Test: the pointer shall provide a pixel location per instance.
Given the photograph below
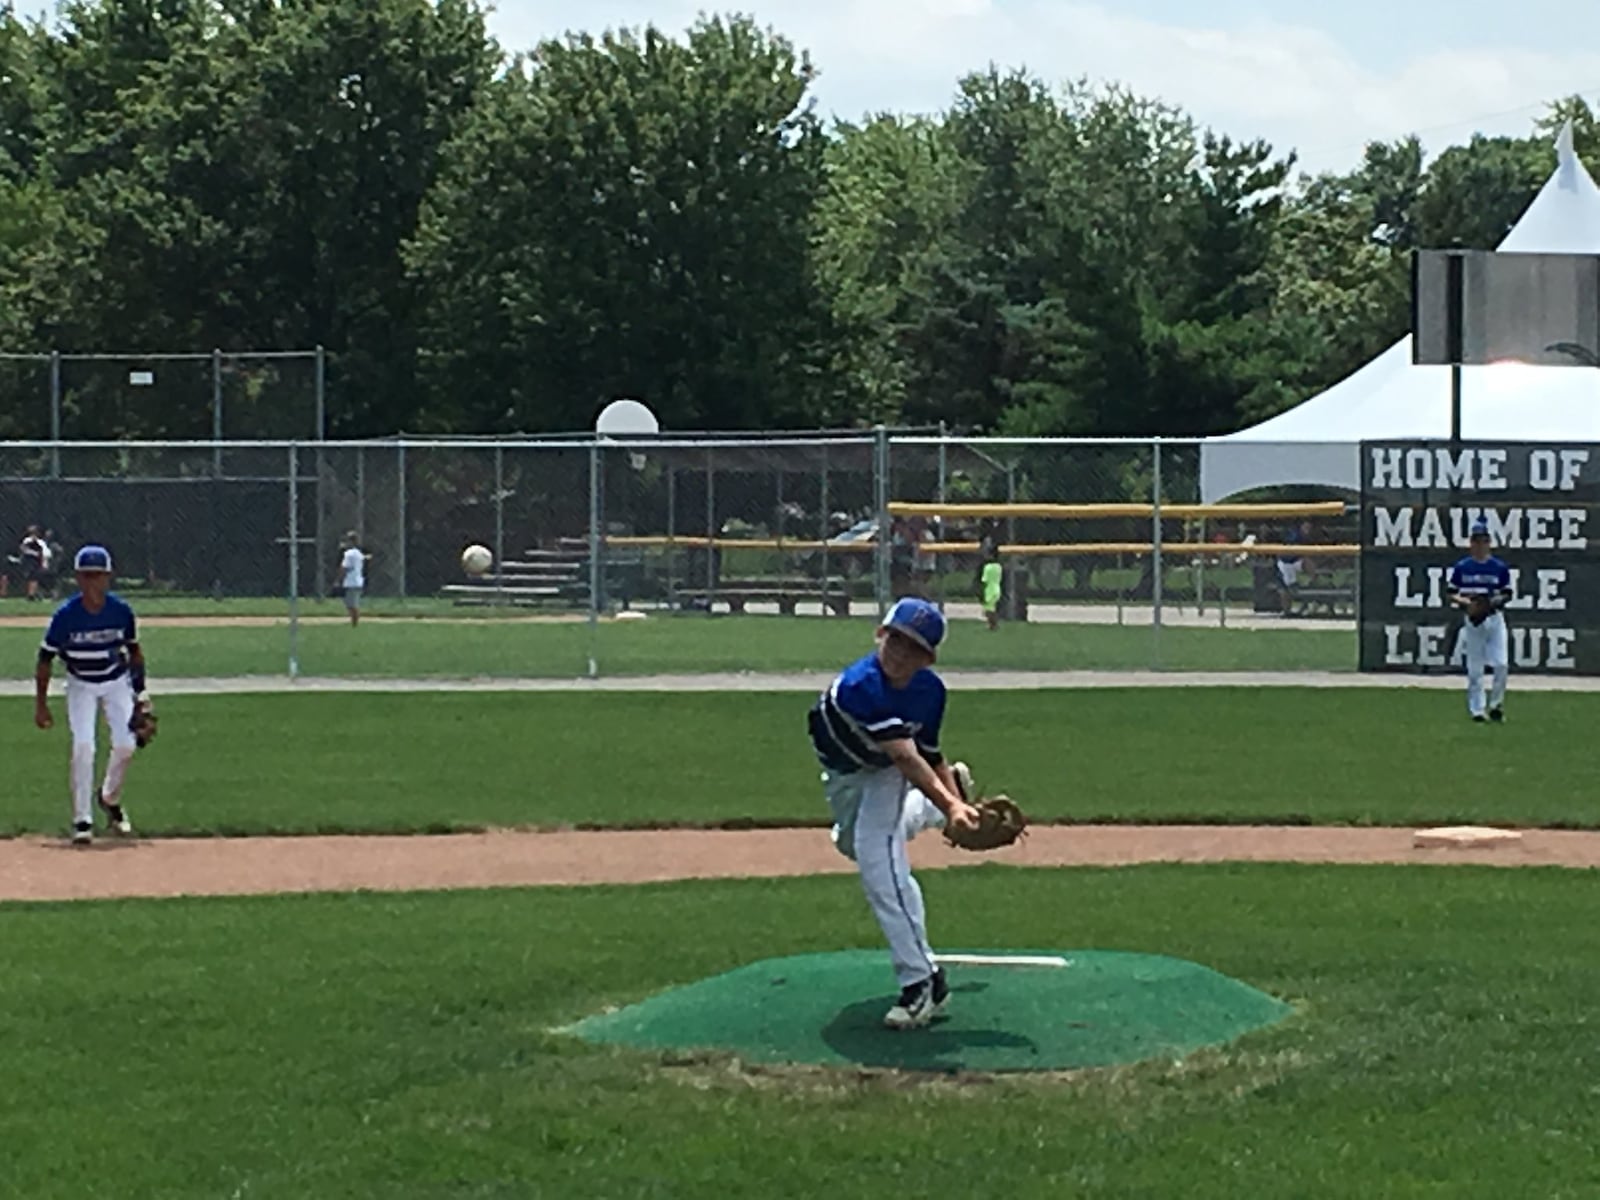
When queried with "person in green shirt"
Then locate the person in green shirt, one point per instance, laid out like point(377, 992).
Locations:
point(990, 578)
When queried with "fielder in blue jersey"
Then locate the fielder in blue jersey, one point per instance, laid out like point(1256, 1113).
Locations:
point(1481, 584)
point(96, 637)
point(876, 732)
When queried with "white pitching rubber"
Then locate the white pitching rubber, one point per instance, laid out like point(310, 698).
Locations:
point(1001, 960)
point(1465, 837)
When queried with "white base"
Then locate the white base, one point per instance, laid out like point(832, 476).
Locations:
point(1001, 960)
point(1465, 837)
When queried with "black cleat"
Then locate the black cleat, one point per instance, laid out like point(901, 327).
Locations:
point(1497, 715)
point(941, 991)
point(1479, 718)
point(82, 833)
point(914, 1009)
point(116, 820)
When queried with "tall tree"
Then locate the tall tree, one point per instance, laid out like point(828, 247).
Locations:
point(893, 187)
point(1473, 194)
point(1585, 121)
point(248, 176)
point(631, 215)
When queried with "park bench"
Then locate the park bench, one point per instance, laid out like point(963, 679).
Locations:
point(786, 591)
point(1328, 601)
point(508, 590)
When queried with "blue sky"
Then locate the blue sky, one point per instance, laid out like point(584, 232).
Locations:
point(1324, 78)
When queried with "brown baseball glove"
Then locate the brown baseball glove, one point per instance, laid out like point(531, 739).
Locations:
point(1478, 609)
point(1000, 823)
point(144, 723)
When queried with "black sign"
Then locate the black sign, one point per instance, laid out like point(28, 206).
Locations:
point(1418, 504)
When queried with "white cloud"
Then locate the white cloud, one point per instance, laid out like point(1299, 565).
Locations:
point(1292, 84)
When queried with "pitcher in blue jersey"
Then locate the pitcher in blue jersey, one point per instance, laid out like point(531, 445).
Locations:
point(97, 639)
point(1481, 584)
point(876, 731)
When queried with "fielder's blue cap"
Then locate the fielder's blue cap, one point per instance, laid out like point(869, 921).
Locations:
point(1480, 528)
point(919, 620)
point(92, 558)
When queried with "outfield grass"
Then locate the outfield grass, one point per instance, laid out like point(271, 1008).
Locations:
point(434, 761)
point(685, 643)
point(274, 606)
point(396, 1045)
point(1111, 586)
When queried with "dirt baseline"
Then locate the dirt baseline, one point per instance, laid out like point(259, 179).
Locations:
point(40, 869)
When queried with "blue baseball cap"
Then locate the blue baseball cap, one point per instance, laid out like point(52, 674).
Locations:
point(92, 558)
point(1480, 528)
point(918, 620)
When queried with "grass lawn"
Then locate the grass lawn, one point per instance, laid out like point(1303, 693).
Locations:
point(274, 606)
point(330, 762)
point(395, 1046)
point(675, 644)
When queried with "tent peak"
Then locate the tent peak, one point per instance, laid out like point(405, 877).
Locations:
point(1566, 155)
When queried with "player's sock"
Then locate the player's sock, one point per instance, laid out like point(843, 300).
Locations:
point(82, 781)
point(116, 772)
point(1497, 691)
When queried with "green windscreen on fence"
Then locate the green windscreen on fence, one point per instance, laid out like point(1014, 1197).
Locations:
point(1102, 1009)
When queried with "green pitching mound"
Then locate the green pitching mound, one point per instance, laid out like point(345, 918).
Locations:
point(1103, 1009)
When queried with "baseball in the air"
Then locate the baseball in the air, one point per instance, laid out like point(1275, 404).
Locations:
point(476, 560)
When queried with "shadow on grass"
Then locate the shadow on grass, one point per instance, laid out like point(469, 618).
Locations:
point(857, 1033)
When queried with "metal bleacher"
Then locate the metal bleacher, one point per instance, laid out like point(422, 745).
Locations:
point(558, 577)
point(537, 577)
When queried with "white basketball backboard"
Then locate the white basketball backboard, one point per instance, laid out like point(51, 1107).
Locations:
point(626, 418)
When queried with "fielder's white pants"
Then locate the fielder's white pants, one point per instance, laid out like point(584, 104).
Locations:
point(85, 702)
point(875, 814)
point(1485, 646)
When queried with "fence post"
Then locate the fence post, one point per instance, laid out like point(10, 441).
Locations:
point(880, 485)
point(594, 556)
point(672, 535)
point(822, 504)
point(1013, 611)
point(321, 376)
point(320, 572)
point(711, 529)
point(294, 561)
point(499, 522)
point(777, 520)
point(1155, 552)
point(361, 494)
point(322, 483)
point(55, 414)
point(216, 412)
point(400, 532)
point(944, 475)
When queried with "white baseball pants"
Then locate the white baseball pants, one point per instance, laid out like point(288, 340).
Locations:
point(85, 702)
point(1485, 646)
point(875, 814)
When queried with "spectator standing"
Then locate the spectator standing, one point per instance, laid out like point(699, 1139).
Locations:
point(33, 553)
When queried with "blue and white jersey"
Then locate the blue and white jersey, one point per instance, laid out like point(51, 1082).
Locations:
point(860, 711)
point(94, 646)
point(1491, 577)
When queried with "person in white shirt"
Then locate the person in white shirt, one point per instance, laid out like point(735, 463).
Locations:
point(353, 572)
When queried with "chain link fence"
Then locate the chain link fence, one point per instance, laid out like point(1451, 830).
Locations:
point(217, 396)
point(675, 554)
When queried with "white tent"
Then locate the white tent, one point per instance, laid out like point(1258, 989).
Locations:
point(1317, 442)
